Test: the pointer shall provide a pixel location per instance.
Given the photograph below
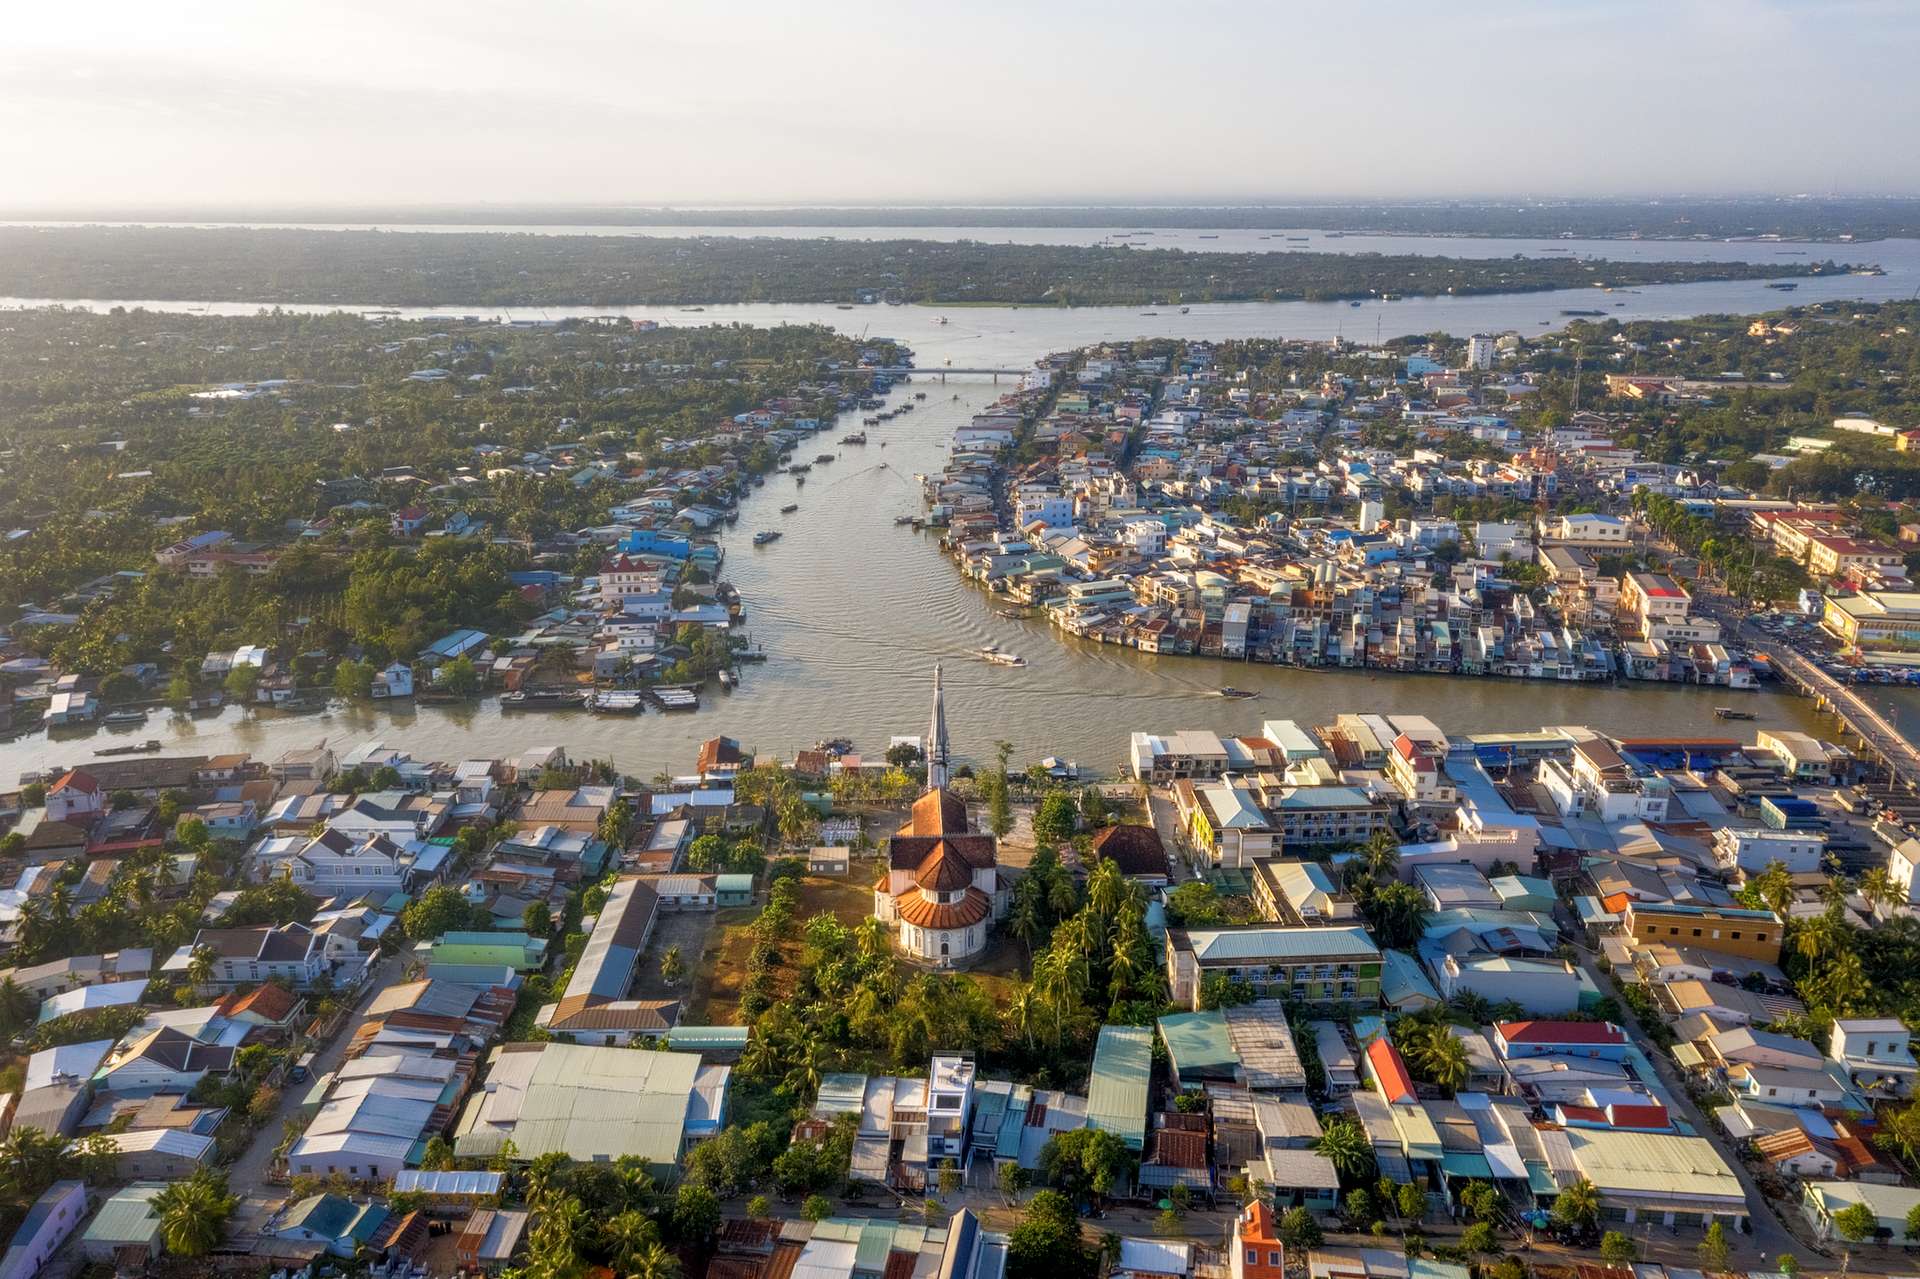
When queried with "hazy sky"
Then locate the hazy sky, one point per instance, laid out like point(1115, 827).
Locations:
point(111, 103)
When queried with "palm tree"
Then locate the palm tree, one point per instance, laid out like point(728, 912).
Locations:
point(1444, 1058)
point(1024, 920)
point(872, 939)
point(803, 1076)
point(654, 1263)
point(1877, 886)
point(1383, 855)
point(1106, 888)
point(1022, 1010)
point(628, 1235)
point(1473, 1006)
point(193, 1213)
point(1346, 1148)
point(200, 965)
point(17, 1006)
point(1577, 1204)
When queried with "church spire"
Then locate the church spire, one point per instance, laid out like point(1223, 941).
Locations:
point(937, 752)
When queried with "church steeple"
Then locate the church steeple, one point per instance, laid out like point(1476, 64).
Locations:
point(938, 755)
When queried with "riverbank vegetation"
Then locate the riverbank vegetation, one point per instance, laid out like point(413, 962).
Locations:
point(301, 436)
point(369, 268)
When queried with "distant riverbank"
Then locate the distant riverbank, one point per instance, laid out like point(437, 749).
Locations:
point(486, 269)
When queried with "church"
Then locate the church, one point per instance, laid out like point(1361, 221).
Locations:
point(942, 891)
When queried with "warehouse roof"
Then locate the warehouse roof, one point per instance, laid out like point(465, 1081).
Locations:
point(1117, 1093)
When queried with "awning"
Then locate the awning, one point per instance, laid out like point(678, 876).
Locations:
point(1463, 1164)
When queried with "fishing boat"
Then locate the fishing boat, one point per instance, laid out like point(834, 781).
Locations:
point(543, 699)
point(906, 519)
point(789, 508)
point(844, 306)
point(148, 747)
point(1782, 284)
point(1185, 309)
point(766, 535)
point(1149, 313)
point(726, 679)
point(1238, 694)
point(1728, 712)
point(858, 437)
point(939, 319)
point(991, 653)
point(919, 395)
point(128, 716)
point(1015, 613)
point(823, 458)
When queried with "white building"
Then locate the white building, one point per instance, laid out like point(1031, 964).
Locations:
point(942, 891)
point(1876, 1052)
point(1752, 851)
point(1480, 351)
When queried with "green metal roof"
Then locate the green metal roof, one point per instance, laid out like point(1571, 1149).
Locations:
point(1229, 945)
point(1199, 1043)
point(694, 1038)
point(1465, 1164)
point(128, 1217)
point(1117, 1094)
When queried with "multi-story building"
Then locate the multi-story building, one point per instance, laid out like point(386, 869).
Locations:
point(1299, 893)
point(1874, 621)
point(1728, 930)
point(1752, 850)
point(1303, 965)
point(1257, 1252)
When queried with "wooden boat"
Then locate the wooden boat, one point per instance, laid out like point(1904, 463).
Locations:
point(148, 747)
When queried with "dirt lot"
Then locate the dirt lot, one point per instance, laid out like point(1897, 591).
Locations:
point(686, 929)
point(721, 966)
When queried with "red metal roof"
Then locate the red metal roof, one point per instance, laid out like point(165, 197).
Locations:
point(1561, 1032)
point(1638, 1116)
point(1390, 1071)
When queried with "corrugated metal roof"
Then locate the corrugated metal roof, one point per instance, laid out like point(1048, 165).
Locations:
point(1231, 945)
point(587, 1101)
point(1117, 1094)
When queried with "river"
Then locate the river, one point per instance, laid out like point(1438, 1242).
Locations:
point(854, 611)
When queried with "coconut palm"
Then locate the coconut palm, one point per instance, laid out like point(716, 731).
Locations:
point(628, 1235)
point(1025, 920)
point(1877, 886)
point(1383, 855)
point(200, 965)
point(1347, 1148)
point(1577, 1204)
point(803, 1076)
point(17, 1006)
point(1106, 889)
point(1443, 1058)
point(655, 1262)
point(1023, 1011)
point(193, 1213)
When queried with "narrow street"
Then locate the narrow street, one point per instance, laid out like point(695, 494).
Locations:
point(247, 1175)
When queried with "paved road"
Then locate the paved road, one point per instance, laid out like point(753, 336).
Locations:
point(1770, 1237)
point(248, 1174)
